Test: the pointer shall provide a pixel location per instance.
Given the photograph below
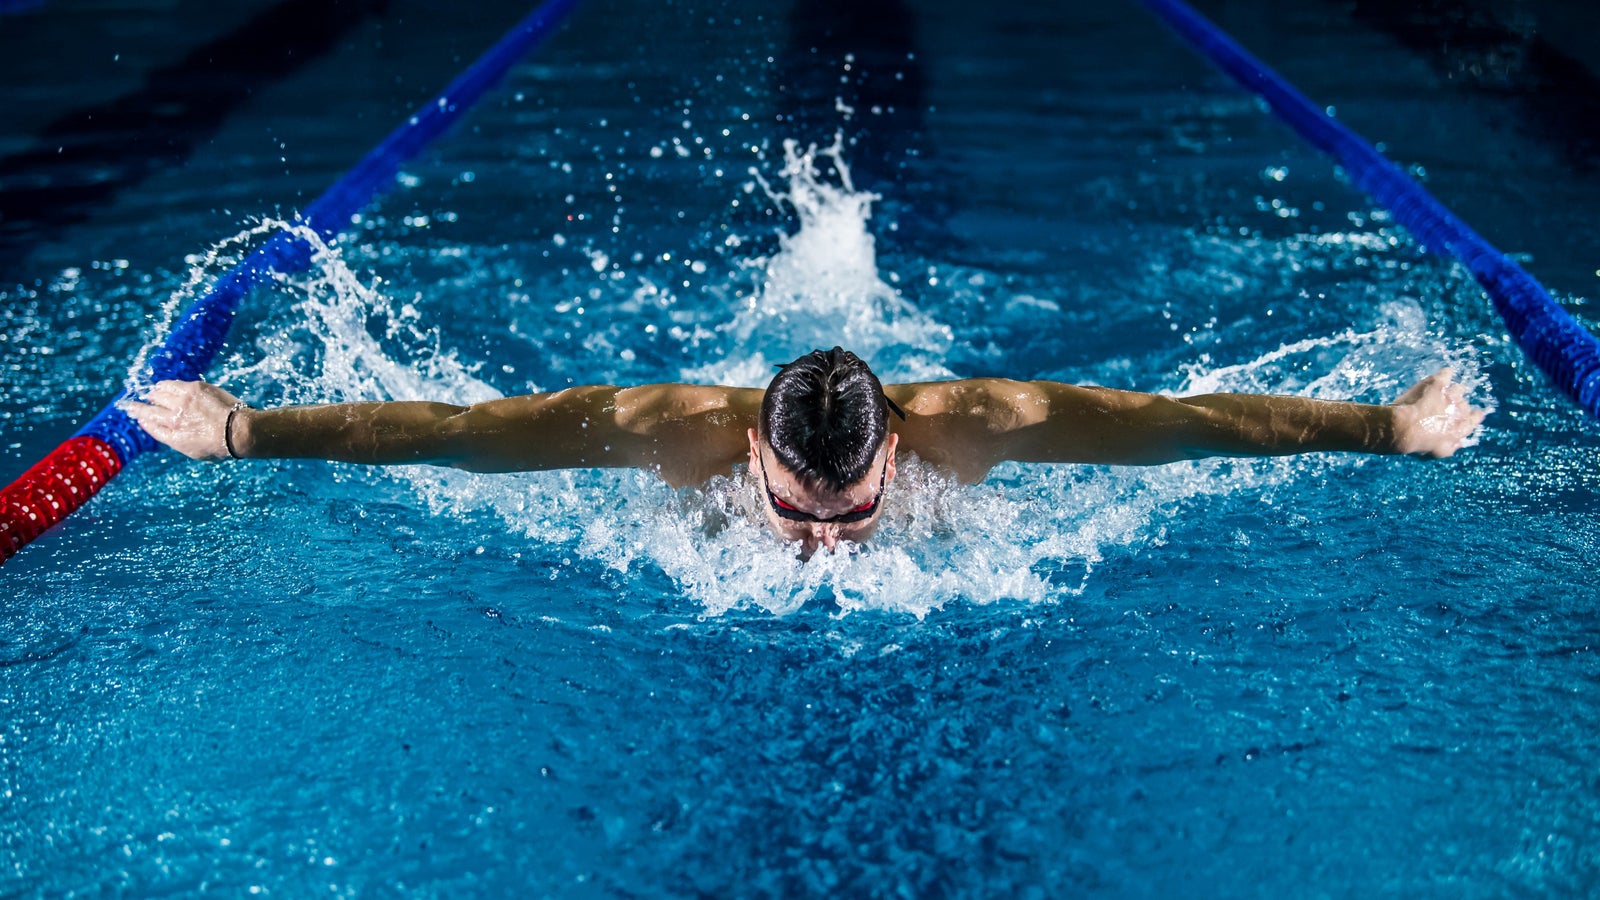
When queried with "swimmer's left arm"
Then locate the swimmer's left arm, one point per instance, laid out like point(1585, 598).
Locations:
point(989, 420)
point(1432, 419)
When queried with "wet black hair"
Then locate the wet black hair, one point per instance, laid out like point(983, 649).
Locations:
point(825, 416)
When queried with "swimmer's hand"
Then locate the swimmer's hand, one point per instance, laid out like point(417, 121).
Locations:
point(188, 416)
point(1433, 419)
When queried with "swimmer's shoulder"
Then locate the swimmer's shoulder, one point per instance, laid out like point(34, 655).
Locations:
point(953, 424)
point(695, 406)
point(694, 431)
point(967, 398)
point(969, 425)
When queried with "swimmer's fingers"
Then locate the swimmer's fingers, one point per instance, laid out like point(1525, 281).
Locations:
point(1436, 383)
point(1434, 418)
point(172, 395)
point(152, 418)
point(188, 416)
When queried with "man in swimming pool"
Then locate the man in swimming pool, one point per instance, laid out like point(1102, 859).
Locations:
point(820, 435)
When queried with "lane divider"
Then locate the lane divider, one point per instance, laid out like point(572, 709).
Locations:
point(65, 479)
point(1556, 342)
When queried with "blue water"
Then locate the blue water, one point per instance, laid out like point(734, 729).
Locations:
point(1326, 676)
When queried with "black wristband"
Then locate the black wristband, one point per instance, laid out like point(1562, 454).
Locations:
point(227, 430)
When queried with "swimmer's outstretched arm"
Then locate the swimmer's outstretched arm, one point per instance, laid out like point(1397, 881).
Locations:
point(969, 426)
point(684, 432)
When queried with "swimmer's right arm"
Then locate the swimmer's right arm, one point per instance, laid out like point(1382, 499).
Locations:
point(684, 432)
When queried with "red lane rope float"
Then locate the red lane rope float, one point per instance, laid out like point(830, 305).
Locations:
point(53, 489)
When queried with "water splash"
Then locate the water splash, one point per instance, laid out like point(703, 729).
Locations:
point(822, 287)
point(1030, 534)
point(1374, 365)
point(205, 269)
point(333, 337)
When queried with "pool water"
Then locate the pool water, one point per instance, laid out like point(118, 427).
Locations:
point(1320, 676)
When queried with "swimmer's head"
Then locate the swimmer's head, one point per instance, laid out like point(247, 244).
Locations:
point(823, 450)
point(825, 418)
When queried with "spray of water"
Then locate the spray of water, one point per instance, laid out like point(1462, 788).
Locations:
point(204, 270)
point(1031, 534)
point(822, 287)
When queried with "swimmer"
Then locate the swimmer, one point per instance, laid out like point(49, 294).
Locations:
point(823, 436)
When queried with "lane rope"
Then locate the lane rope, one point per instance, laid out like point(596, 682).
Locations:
point(65, 479)
point(1556, 342)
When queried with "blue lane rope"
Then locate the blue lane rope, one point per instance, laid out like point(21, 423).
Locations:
point(201, 330)
point(1557, 343)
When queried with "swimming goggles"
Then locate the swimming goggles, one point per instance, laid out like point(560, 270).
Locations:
point(785, 511)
